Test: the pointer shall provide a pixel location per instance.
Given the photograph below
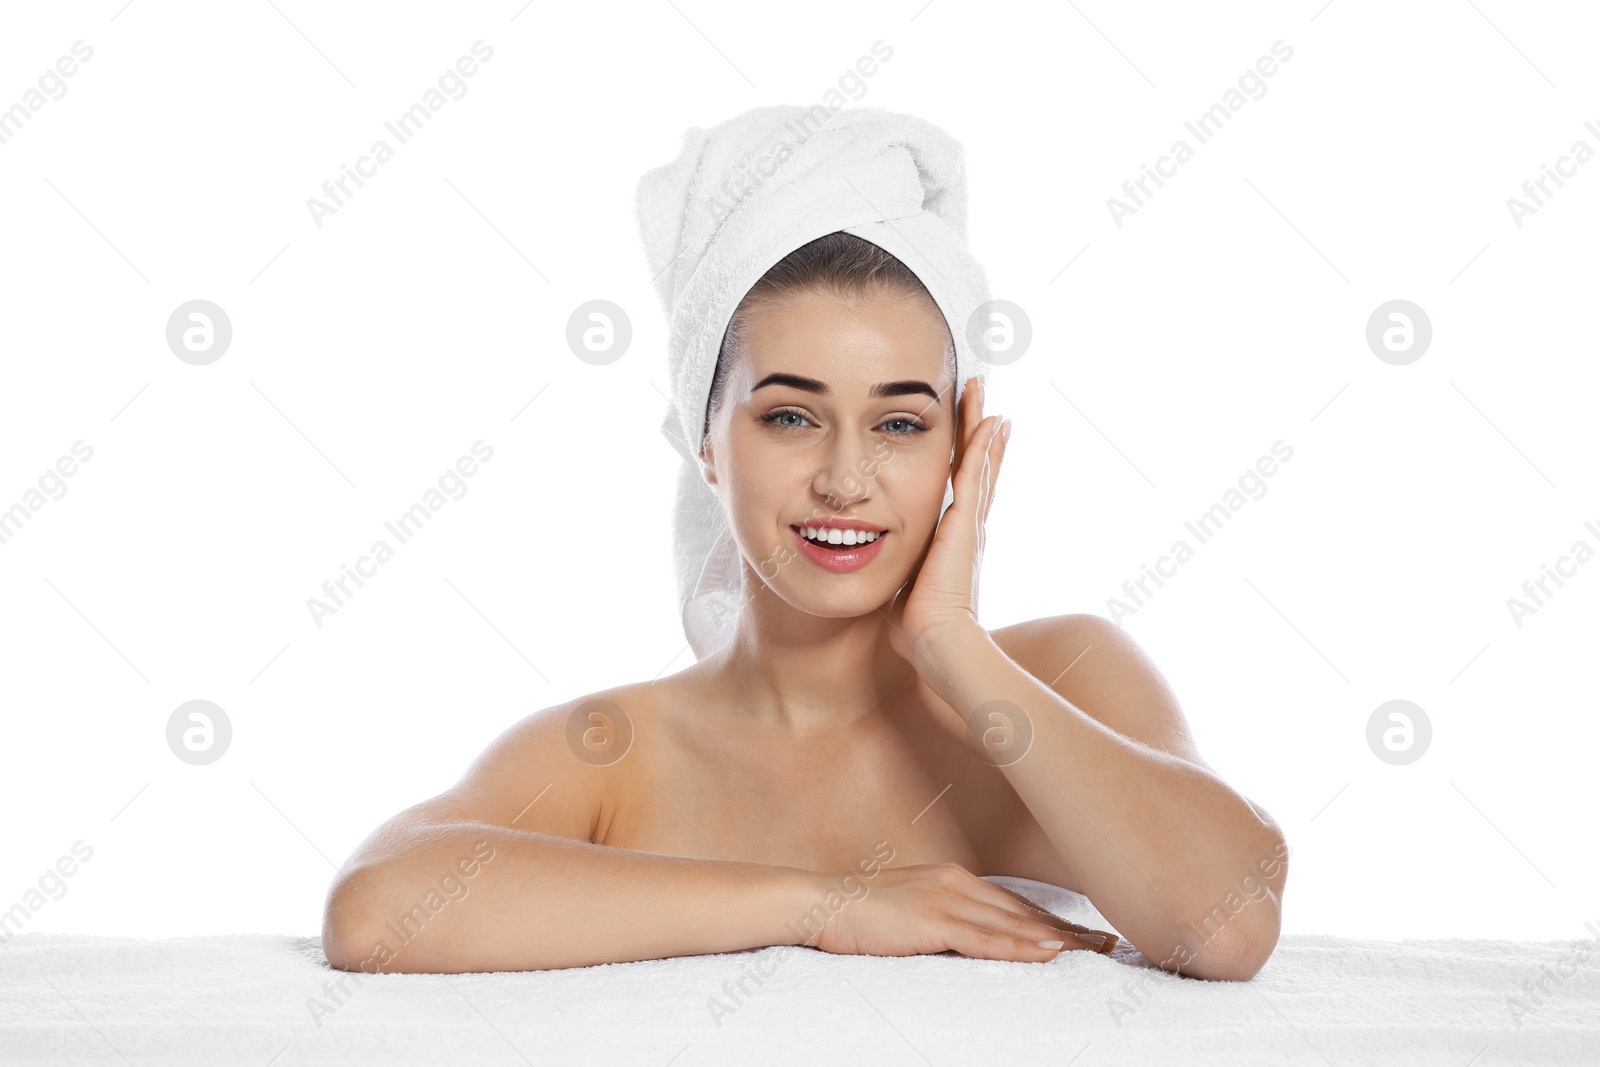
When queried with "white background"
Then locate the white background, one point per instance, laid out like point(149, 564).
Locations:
point(429, 312)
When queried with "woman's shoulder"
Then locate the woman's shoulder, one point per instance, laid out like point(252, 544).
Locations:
point(1047, 635)
point(600, 727)
point(1098, 666)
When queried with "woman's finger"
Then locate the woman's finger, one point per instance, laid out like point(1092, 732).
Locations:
point(974, 462)
point(998, 449)
point(974, 410)
point(1020, 903)
point(973, 485)
point(972, 417)
point(984, 944)
point(988, 904)
point(990, 472)
point(1027, 928)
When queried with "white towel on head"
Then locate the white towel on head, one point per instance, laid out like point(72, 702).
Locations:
point(737, 199)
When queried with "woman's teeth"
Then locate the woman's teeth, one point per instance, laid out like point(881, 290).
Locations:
point(838, 537)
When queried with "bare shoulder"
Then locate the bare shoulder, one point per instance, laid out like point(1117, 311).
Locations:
point(549, 772)
point(1099, 668)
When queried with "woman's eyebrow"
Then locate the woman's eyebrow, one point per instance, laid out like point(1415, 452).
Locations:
point(811, 385)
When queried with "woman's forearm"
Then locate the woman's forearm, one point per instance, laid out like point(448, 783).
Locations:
point(456, 897)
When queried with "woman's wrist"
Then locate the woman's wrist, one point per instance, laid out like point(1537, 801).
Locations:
point(941, 650)
point(800, 905)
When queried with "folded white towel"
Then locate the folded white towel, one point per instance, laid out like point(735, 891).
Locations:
point(738, 198)
point(245, 999)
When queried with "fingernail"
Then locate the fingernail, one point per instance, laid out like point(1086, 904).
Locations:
point(1005, 430)
point(1052, 944)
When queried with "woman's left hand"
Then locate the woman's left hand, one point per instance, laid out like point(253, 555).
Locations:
point(943, 589)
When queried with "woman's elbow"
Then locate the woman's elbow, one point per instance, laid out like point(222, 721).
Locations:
point(1241, 948)
point(347, 941)
point(1242, 958)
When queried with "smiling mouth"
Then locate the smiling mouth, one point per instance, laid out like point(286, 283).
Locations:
point(847, 539)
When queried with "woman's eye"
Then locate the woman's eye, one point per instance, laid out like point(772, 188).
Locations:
point(775, 417)
point(915, 426)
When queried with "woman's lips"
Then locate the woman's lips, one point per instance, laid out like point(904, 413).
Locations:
point(838, 560)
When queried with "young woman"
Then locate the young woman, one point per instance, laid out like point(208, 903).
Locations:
point(843, 771)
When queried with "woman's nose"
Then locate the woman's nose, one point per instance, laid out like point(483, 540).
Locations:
point(844, 476)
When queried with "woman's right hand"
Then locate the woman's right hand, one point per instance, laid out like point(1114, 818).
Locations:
point(938, 907)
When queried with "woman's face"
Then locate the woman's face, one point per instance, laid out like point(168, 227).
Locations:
point(835, 410)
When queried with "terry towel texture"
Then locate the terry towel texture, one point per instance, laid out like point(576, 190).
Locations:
point(738, 198)
point(69, 1000)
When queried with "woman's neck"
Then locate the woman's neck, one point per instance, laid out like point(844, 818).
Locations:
point(806, 673)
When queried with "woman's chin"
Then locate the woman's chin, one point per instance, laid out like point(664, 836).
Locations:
point(861, 601)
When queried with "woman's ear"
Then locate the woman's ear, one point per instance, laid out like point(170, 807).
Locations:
point(708, 469)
